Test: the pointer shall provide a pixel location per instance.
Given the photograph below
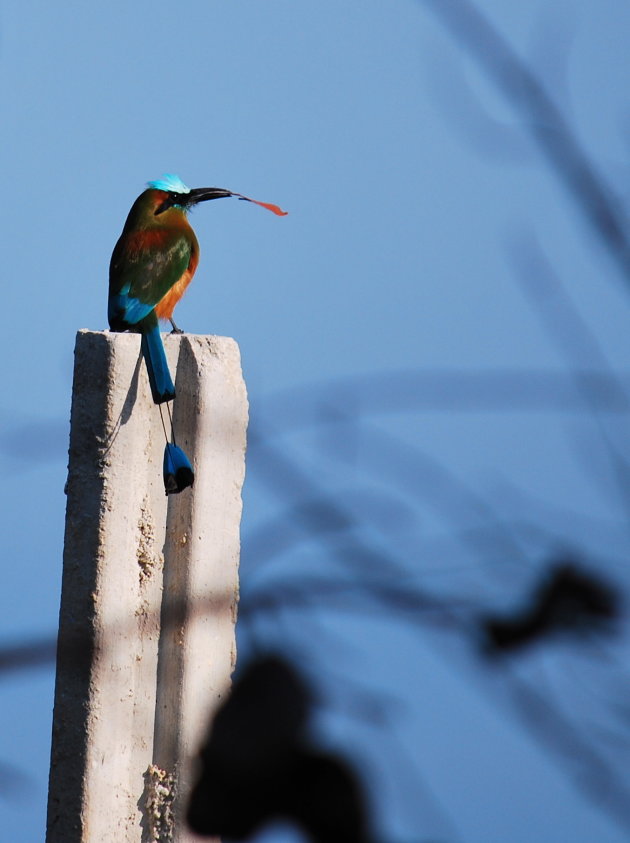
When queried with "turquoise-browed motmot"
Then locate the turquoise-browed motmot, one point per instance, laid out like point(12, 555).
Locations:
point(153, 262)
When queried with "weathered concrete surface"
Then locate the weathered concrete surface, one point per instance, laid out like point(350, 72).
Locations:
point(197, 646)
point(146, 636)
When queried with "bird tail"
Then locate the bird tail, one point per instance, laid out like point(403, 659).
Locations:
point(162, 387)
point(178, 472)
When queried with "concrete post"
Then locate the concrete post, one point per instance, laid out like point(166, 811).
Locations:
point(146, 634)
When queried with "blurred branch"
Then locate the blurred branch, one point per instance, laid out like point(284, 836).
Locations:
point(592, 773)
point(569, 600)
point(547, 126)
point(501, 390)
point(564, 324)
point(575, 340)
point(28, 654)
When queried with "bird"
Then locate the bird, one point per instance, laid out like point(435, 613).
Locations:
point(153, 263)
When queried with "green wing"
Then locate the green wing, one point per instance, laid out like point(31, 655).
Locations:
point(144, 267)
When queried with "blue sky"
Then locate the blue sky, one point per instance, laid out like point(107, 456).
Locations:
point(411, 184)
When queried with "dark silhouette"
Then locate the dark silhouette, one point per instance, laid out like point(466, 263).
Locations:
point(259, 765)
point(567, 600)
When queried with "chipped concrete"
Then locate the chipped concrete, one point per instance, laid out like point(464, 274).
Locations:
point(150, 559)
point(158, 813)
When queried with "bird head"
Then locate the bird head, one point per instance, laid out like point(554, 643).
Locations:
point(171, 192)
point(179, 195)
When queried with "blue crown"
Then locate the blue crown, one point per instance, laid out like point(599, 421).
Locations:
point(171, 183)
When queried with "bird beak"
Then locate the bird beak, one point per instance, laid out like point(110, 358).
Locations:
point(202, 194)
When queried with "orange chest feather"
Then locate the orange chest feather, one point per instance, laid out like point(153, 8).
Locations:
point(165, 307)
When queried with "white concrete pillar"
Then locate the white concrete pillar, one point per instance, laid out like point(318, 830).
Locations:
point(146, 635)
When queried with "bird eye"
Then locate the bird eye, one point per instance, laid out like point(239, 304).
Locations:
point(166, 204)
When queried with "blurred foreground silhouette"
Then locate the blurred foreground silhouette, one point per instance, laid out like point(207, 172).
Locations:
point(259, 765)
